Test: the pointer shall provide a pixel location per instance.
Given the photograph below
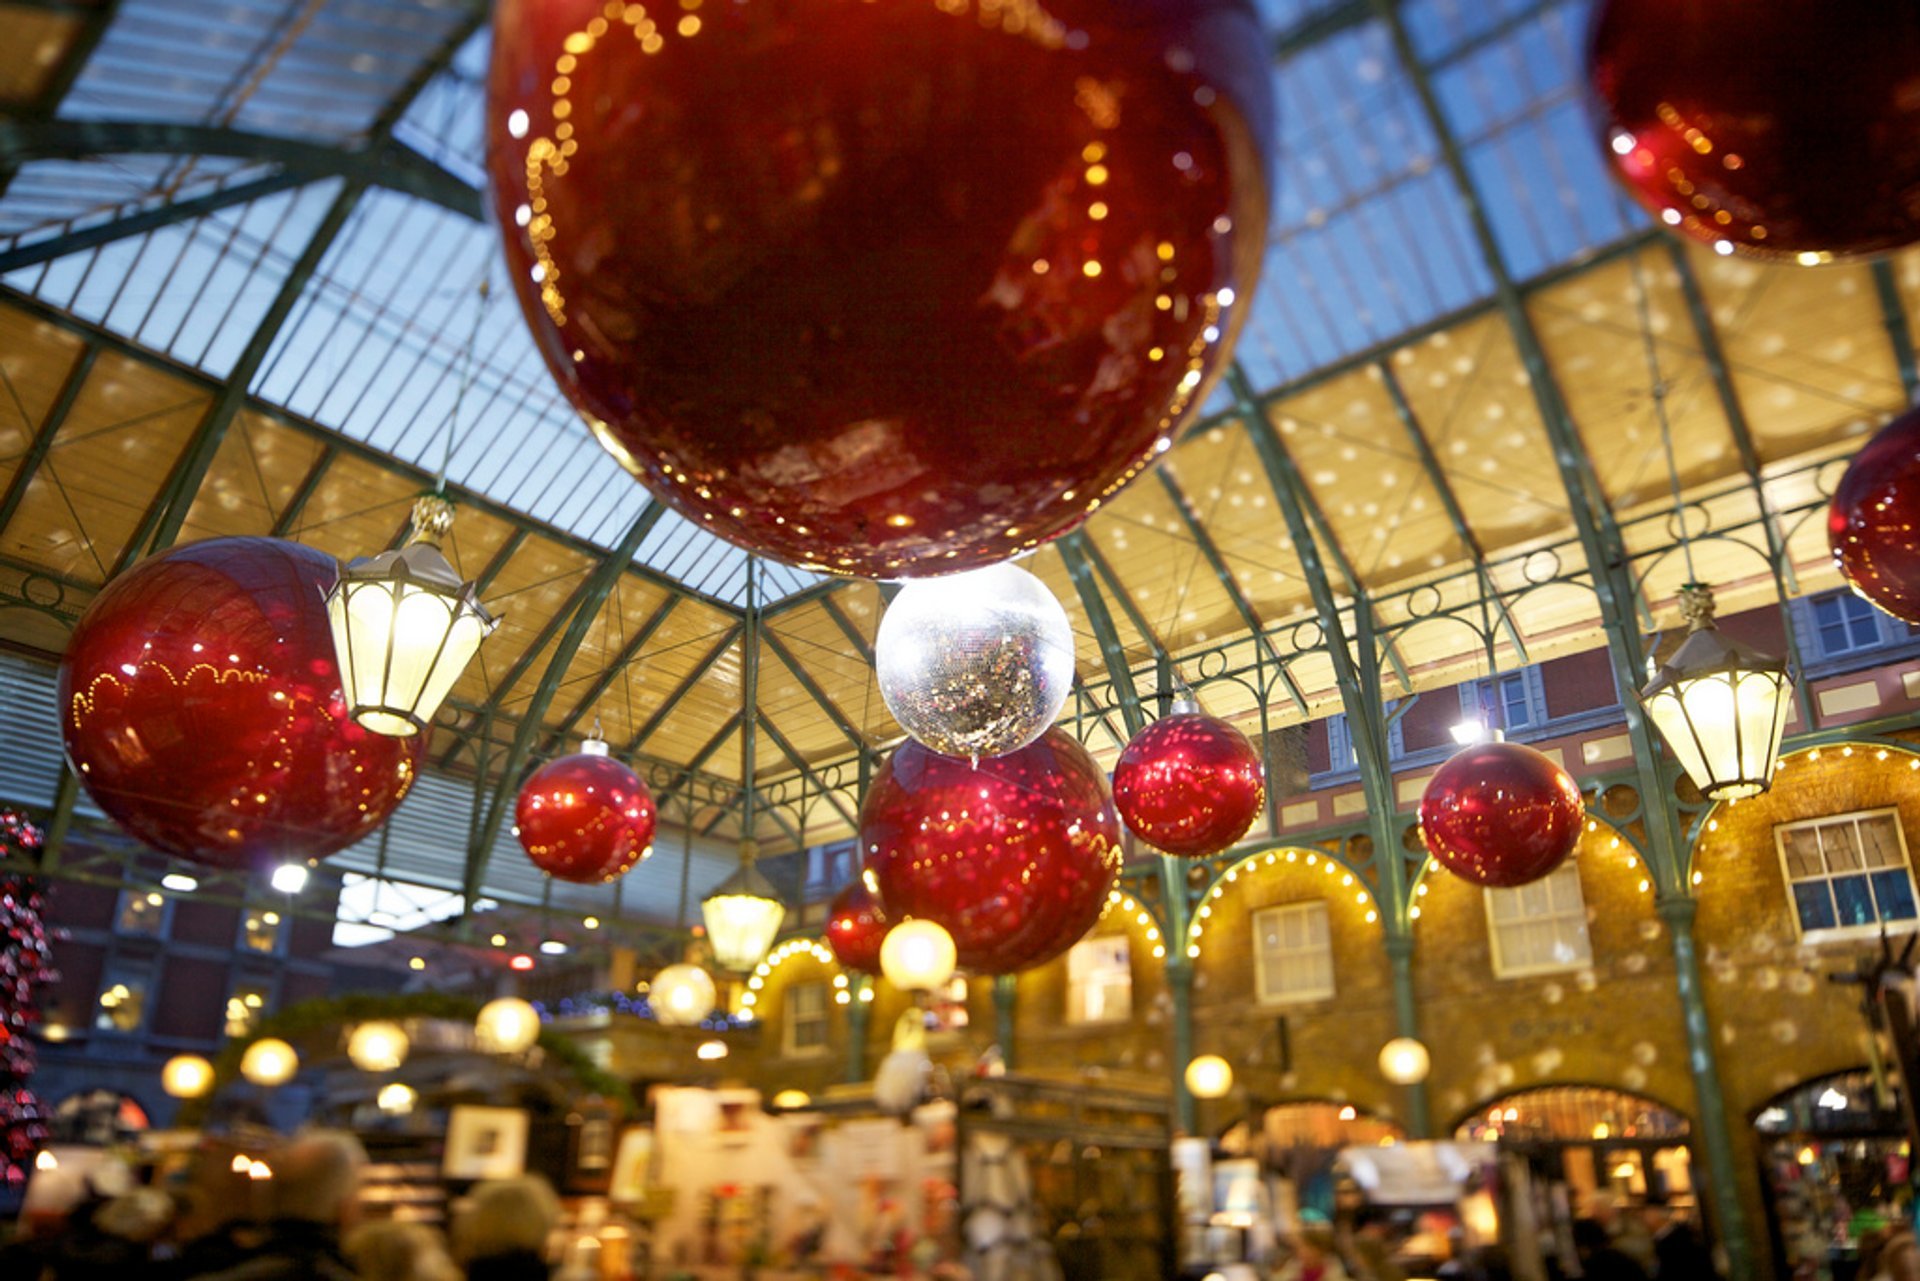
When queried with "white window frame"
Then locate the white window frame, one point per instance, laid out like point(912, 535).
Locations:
point(790, 1024)
point(1838, 933)
point(1302, 995)
point(1080, 983)
point(1576, 916)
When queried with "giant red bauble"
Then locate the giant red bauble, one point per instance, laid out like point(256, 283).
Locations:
point(1015, 856)
point(584, 818)
point(1778, 130)
point(202, 711)
point(882, 289)
point(1501, 814)
point(1873, 522)
point(856, 927)
point(1189, 784)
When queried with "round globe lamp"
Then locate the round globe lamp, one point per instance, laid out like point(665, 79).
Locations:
point(396, 1099)
point(682, 995)
point(187, 1076)
point(788, 1100)
point(918, 956)
point(507, 1025)
point(378, 1046)
point(1209, 1077)
point(269, 1062)
point(1405, 1061)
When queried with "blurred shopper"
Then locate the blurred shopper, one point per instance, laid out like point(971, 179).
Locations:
point(311, 1197)
point(503, 1231)
point(393, 1251)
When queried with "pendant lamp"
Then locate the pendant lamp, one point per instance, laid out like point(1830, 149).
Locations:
point(405, 627)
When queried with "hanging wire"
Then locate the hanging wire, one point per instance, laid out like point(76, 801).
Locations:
point(1658, 386)
point(465, 381)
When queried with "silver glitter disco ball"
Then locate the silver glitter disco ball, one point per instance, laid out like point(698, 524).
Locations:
point(975, 664)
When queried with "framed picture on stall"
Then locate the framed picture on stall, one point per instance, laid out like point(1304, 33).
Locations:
point(485, 1143)
point(632, 1164)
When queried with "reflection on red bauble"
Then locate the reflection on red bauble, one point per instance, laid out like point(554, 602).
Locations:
point(1189, 784)
point(856, 927)
point(882, 289)
point(1501, 814)
point(1014, 857)
point(201, 709)
point(585, 818)
point(1778, 130)
point(1873, 523)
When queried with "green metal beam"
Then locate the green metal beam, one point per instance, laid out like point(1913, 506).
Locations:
point(679, 691)
point(378, 162)
point(29, 464)
point(1456, 515)
point(799, 762)
point(289, 518)
point(847, 629)
point(143, 221)
point(605, 680)
point(1118, 590)
point(692, 767)
point(1197, 531)
point(812, 687)
point(1893, 310)
point(1111, 650)
point(593, 595)
point(1356, 671)
point(1607, 561)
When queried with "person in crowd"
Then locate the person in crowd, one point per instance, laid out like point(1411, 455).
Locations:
point(390, 1250)
point(213, 1229)
point(1600, 1258)
point(1899, 1257)
point(502, 1233)
point(1678, 1248)
point(311, 1199)
point(1627, 1232)
point(1371, 1251)
point(1313, 1257)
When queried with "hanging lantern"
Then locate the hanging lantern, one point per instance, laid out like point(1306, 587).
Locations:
point(201, 709)
point(976, 664)
point(378, 1046)
point(269, 1062)
point(1405, 1061)
point(396, 1099)
point(941, 348)
point(405, 627)
point(711, 1051)
point(743, 914)
point(917, 956)
point(1720, 706)
point(1015, 857)
point(789, 1100)
point(1209, 1077)
point(681, 995)
point(1189, 784)
point(856, 927)
point(507, 1025)
point(585, 818)
point(1873, 523)
point(186, 1076)
point(1500, 814)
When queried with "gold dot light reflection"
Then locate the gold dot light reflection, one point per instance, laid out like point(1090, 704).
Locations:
point(1302, 858)
point(1700, 211)
point(548, 154)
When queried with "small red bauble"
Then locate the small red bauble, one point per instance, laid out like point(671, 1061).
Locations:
point(585, 818)
point(882, 289)
point(202, 711)
point(1189, 784)
point(1873, 523)
point(1015, 857)
point(1501, 814)
point(856, 927)
point(1778, 130)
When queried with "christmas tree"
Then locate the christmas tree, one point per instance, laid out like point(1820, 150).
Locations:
point(24, 966)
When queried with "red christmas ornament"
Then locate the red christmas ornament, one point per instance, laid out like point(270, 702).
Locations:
point(1501, 814)
point(585, 818)
point(883, 289)
point(1777, 130)
point(1189, 784)
point(1873, 523)
point(1014, 857)
point(202, 710)
point(855, 928)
